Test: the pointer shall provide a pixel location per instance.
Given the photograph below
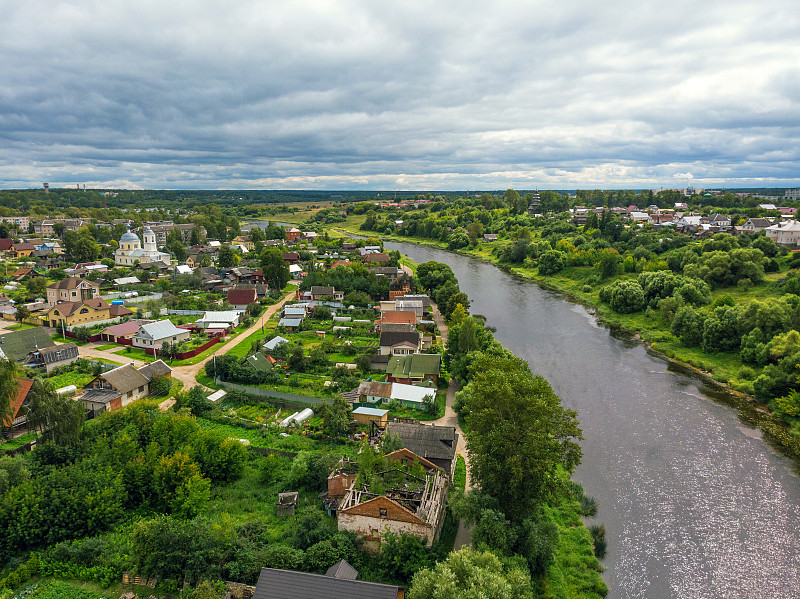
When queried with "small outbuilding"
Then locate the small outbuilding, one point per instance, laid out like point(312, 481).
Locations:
point(286, 504)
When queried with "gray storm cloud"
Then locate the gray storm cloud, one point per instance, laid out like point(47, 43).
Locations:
point(448, 95)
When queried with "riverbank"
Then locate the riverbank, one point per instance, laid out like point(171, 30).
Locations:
point(720, 371)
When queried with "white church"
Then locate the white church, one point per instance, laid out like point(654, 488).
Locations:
point(130, 250)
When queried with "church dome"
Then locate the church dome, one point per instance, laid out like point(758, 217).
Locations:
point(128, 237)
point(148, 231)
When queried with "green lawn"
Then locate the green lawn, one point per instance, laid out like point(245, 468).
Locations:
point(21, 326)
point(107, 346)
point(17, 441)
point(79, 379)
point(59, 339)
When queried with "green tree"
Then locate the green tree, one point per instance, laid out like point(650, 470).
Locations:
point(469, 574)
point(551, 262)
point(8, 388)
point(337, 417)
point(226, 257)
point(36, 286)
point(688, 326)
point(518, 434)
point(275, 269)
point(85, 249)
point(175, 245)
point(58, 418)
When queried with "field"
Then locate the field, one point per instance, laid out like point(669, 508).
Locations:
point(79, 379)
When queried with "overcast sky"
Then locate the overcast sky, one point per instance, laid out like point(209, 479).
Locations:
point(410, 95)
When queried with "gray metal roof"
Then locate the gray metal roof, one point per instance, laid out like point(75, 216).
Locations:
point(342, 569)
point(159, 330)
point(156, 368)
point(288, 584)
point(427, 441)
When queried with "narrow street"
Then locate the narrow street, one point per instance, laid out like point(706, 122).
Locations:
point(450, 418)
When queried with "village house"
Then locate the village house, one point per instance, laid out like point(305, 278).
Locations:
point(118, 387)
point(293, 233)
point(241, 297)
point(222, 320)
point(119, 333)
point(756, 225)
point(414, 368)
point(409, 396)
point(378, 258)
point(152, 335)
point(399, 343)
point(393, 320)
point(71, 289)
point(52, 357)
point(438, 444)
point(368, 416)
point(338, 582)
point(22, 249)
point(785, 233)
point(408, 504)
point(79, 313)
point(320, 292)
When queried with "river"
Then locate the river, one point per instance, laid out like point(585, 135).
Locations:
point(695, 504)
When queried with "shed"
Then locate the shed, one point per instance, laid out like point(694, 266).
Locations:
point(286, 504)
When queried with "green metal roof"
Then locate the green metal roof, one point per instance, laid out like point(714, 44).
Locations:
point(259, 362)
point(414, 365)
point(16, 345)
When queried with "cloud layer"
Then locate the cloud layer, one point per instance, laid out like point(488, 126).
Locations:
point(412, 95)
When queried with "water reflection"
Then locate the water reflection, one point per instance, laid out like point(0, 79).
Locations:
point(695, 504)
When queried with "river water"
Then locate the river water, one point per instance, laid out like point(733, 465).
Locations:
point(695, 504)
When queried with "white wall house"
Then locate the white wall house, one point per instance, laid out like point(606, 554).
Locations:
point(154, 334)
point(785, 233)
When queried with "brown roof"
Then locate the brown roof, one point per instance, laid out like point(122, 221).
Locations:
point(23, 387)
point(70, 283)
point(24, 247)
point(380, 258)
point(6, 243)
point(238, 297)
point(123, 329)
point(117, 310)
point(376, 389)
point(69, 308)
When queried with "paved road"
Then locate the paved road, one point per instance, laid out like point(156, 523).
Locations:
point(186, 374)
point(450, 418)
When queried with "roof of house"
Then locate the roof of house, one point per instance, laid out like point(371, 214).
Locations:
point(323, 290)
point(23, 387)
point(413, 393)
point(154, 369)
point(24, 247)
point(375, 389)
point(57, 353)
point(6, 243)
point(427, 441)
point(288, 584)
point(259, 362)
point(399, 317)
point(223, 316)
point(69, 308)
point(123, 329)
point(290, 322)
point(414, 365)
point(103, 396)
point(16, 345)
point(127, 281)
point(70, 283)
point(382, 258)
point(125, 378)
point(274, 342)
point(241, 297)
point(392, 338)
point(116, 310)
point(371, 412)
point(159, 330)
point(760, 222)
point(342, 569)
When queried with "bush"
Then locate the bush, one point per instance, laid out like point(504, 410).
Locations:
point(624, 297)
point(551, 262)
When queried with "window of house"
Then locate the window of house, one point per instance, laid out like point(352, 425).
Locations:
point(382, 512)
point(130, 394)
point(141, 389)
point(374, 533)
point(84, 310)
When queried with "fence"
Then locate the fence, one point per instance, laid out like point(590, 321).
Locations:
point(290, 397)
point(183, 312)
point(269, 451)
point(132, 300)
point(152, 351)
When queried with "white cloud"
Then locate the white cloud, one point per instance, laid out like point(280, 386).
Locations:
point(361, 94)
